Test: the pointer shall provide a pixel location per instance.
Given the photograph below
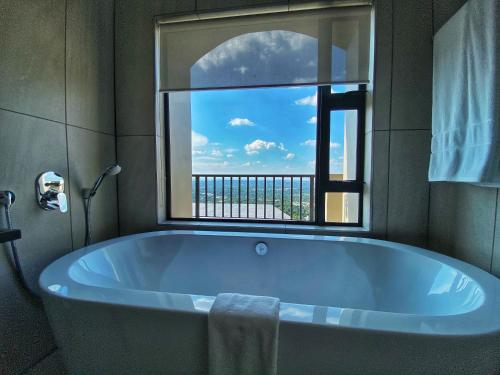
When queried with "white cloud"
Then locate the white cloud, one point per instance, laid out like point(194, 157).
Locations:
point(313, 120)
point(289, 156)
point(198, 152)
point(231, 150)
point(198, 140)
point(216, 153)
point(268, 43)
point(247, 164)
point(258, 145)
point(208, 158)
point(282, 147)
point(312, 143)
point(229, 155)
point(240, 122)
point(309, 142)
point(308, 100)
point(312, 164)
point(242, 69)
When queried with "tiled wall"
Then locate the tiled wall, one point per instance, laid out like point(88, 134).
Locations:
point(403, 86)
point(464, 219)
point(56, 113)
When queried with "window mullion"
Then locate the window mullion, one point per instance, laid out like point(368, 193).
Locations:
point(328, 102)
point(322, 150)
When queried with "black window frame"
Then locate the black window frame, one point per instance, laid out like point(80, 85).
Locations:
point(328, 101)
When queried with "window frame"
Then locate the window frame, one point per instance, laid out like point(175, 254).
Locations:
point(327, 102)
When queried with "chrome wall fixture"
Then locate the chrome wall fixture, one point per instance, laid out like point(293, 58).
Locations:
point(49, 191)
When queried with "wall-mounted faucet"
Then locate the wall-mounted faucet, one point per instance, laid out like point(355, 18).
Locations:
point(49, 190)
point(7, 198)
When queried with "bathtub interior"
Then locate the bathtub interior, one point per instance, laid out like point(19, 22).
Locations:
point(339, 274)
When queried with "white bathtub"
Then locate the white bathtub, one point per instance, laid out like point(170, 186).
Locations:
point(138, 304)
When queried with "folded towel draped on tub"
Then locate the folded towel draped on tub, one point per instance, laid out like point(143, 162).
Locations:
point(243, 335)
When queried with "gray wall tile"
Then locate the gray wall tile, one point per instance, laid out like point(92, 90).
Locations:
point(475, 217)
point(90, 65)
point(443, 10)
point(135, 86)
point(137, 183)
point(32, 57)
point(383, 65)
point(52, 365)
point(408, 186)
point(28, 147)
point(462, 222)
point(442, 217)
point(412, 65)
point(89, 154)
point(221, 4)
point(380, 182)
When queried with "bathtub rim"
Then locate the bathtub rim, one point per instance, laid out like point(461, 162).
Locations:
point(488, 311)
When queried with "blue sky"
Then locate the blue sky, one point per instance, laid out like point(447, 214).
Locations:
point(265, 131)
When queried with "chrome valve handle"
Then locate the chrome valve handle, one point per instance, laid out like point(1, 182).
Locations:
point(49, 190)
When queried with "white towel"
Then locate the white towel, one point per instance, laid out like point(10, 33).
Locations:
point(466, 96)
point(243, 335)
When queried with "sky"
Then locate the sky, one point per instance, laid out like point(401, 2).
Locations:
point(259, 131)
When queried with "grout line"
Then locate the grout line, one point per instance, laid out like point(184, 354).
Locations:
point(428, 230)
point(401, 130)
point(66, 119)
point(428, 239)
point(390, 123)
point(27, 370)
point(90, 130)
point(494, 232)
point(118, 226)
point(37, 117)
point(136, 135)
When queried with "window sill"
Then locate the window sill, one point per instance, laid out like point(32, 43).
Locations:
point(264, 227)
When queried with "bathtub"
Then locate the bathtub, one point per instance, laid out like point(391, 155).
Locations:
point(138, 304)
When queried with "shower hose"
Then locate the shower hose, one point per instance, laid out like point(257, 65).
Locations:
point(15, 257)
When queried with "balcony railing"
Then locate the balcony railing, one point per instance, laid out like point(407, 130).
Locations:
point(254, 197)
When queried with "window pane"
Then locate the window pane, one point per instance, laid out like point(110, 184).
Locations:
point(341, 207)
point(243, 154)
point(342, 88)
point(343, 143)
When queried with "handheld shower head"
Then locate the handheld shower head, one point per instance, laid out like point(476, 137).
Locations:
point(87, 194)
point(112, 170)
